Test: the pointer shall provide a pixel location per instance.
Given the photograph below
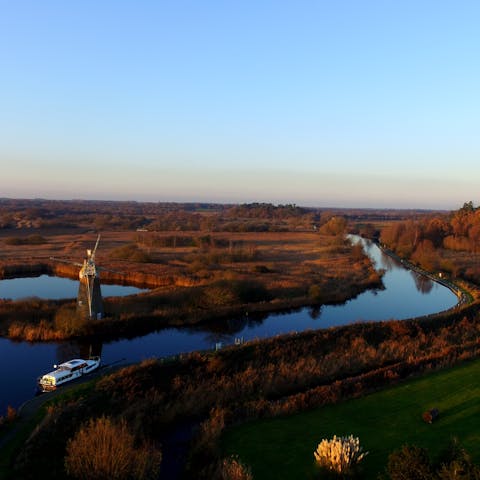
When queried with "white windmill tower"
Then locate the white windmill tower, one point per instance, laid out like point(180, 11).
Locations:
point(89, 301)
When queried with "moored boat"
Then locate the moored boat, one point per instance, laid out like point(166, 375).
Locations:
point(66, 372)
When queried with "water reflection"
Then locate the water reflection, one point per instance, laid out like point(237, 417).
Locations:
point(391, 264)
point(49, 287)
point(424, 284)
point(78, 349)
point(315, 312)
point(233, 325)
point(388, 263)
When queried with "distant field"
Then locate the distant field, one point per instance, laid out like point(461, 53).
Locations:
point(283, 448)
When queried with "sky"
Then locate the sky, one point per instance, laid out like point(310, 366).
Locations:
point(318, 103)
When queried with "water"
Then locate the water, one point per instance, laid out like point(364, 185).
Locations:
point(406, 295)
point(45, 286)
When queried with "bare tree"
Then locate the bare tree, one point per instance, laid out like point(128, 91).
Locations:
point(105, 449)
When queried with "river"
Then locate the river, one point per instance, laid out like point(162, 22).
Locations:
point(406, 294)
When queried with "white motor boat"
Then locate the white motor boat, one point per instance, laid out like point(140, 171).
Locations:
point(66, 372)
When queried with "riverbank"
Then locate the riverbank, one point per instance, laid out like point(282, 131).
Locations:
point(259, 379)
point(270, 273)
point(31, 414)
point(466, 292)
point(292, 363)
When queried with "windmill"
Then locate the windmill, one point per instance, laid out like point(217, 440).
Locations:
point(89, 299)
point(89, 289)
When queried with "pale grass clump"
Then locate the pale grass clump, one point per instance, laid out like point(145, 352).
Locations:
point(339, 454)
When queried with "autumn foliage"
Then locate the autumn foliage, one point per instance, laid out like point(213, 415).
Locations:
point(447, 242)
point(216, 276)
point(104, 449)
point(232, 468)
point(267, 378)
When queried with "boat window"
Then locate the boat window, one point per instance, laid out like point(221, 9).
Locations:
point(74, 369)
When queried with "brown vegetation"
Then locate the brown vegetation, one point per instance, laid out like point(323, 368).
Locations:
point(233, 469)
point(448, 243)
point(9, 418)
point(273, 377)
point(104, 449)
point(413, 462)
point(259, 379)
point(194, 276)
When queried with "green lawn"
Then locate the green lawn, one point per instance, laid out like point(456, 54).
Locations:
point(283, 448)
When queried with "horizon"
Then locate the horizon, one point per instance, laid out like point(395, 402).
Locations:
point(226, 204)
point(370, 105)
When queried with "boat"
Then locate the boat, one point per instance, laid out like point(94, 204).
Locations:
point(66, 372)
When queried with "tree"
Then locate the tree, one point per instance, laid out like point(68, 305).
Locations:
point(335, 226)
point(456, 464)
point(409, 463)
point(105, 449)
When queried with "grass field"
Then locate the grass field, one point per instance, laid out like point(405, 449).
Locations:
point(283, 448)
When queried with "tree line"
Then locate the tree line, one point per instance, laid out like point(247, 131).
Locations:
point(449, 242)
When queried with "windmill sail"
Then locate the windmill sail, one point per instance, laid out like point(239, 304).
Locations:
point(89, 300)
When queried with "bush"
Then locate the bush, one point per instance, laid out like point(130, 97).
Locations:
point(413, 463)
point(233, 469)
point(340, 455)
point(231, 292)
point(456, 464)
point(336, 226)
point(30, 240)
point(103, 449)
point(68, 322)
point(409, 463)
point(315, 293)
point(11, 414)
point(132, 253)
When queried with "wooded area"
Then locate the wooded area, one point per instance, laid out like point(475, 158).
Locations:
point(448, 243)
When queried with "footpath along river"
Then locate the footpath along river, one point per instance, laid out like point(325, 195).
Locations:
point(406, 294)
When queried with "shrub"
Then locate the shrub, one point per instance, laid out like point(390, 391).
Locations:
point(11, 414)
point(130, 252)
point(315, 293)
point(30, 240)
point(335, 226)
point(231, 292)
point(68, 321)
point(233, 469)
point(409, 463)
point(456, 464)
point(340, 454)
point(104, 449)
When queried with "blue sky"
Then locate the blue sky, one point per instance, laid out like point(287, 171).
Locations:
point(347, 103)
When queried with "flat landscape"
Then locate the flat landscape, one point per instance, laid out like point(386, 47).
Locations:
point(264, 216)
point(236, 259)
point(257, 408)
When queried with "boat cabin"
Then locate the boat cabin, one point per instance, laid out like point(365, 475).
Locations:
point(68, 371)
